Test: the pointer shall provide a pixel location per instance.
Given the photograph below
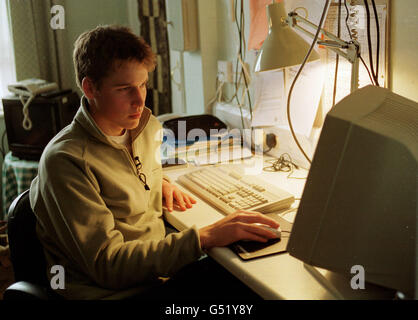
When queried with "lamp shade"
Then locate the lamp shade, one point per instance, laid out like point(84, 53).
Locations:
point(283, 47)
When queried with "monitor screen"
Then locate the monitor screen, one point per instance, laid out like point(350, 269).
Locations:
point(359, 204)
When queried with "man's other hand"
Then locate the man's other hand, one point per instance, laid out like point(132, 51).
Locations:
point(172, 195)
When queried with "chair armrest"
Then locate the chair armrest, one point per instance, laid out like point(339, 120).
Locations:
point(24, 290)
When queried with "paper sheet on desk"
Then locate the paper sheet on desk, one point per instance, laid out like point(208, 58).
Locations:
point(271, 94)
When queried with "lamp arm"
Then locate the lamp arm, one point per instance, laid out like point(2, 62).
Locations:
point(352, 53)
point(293, 18)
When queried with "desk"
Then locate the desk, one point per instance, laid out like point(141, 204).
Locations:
point(279, 276)
point(17, 176)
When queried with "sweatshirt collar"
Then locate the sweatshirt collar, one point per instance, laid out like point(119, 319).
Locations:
point(84, 118)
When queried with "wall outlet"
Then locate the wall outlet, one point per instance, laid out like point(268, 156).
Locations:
point(225, 72)
point(286, 144)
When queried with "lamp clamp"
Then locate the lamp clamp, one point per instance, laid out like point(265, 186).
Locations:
point(334, 43)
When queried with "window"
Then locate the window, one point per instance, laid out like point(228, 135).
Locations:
point(7, 66)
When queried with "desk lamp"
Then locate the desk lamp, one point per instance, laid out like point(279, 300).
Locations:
point(283, 47)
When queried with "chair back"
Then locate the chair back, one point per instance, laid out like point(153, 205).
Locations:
point(26, 252)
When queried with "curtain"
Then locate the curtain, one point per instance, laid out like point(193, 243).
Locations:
point(39, 50)
point(152, 17)
point(7, 70)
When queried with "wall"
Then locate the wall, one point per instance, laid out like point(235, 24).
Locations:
point(226, 42)
point(82, 15)
point(404, 48)
point(228, 36)
point(194, 72)
point(208, 47)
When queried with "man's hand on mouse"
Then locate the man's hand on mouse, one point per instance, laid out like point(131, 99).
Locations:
point(240, 225)
point(173, 195)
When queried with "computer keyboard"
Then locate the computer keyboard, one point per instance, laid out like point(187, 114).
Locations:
point(230, 191)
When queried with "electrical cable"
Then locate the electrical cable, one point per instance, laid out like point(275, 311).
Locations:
point(243, 73)
point(369, 41)
point(305, 10)
point(239, 55)
point(242, 18)
point(236, 66)
point(347, 11)
point(242, 58)
point(218, 93)
point(376, 18)
point(27, 122)
point(297, 76)
point(368, 71)
point(337, 58)
point(283, 164)
point(239, 49)
point(351, 37)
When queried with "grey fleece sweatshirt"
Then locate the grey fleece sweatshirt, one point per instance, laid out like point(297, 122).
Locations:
point(95, 217)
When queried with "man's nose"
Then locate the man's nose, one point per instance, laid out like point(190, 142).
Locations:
point(138, 96)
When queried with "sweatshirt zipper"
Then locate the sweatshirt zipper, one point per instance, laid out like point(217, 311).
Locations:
point(138, 165)
point(140, 174)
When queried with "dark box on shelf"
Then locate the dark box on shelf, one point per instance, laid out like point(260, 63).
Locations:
point(49, 113)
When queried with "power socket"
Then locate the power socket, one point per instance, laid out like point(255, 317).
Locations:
point(225, 71)
point(286, 144)
point(270, 141)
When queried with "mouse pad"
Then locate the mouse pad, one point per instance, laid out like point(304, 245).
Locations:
point(247, 250)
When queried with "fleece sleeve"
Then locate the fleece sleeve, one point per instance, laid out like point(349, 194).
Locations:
point(85, 230)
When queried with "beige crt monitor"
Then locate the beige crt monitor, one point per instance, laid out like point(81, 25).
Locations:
point(359, 205)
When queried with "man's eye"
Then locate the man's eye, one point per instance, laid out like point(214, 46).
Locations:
point(124, 89)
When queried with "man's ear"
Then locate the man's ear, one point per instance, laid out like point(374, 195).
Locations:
point(89, 88)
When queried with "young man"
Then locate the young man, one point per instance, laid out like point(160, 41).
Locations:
point(99, 192)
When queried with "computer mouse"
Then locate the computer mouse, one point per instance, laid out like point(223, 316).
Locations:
point(277, 232)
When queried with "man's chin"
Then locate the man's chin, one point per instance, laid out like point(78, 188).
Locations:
point(133, 123)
